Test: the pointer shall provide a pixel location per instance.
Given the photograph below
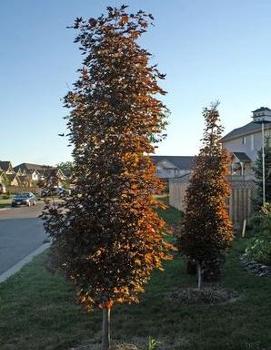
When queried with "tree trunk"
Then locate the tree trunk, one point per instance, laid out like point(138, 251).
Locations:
point(199, 275)
point(191, 267)
point(106, 329)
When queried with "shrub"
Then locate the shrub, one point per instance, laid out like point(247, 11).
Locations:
point(5, 196)
point(259, 250)
point(260, 223)
point(152, 344)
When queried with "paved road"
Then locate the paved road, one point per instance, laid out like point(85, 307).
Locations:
point(21, 232)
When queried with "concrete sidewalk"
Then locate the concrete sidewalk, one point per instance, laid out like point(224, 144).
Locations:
point(17, 267)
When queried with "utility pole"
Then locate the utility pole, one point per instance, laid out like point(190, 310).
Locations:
point(263, 161)
point(261, 116)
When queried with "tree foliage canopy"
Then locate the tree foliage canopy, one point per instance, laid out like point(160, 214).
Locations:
point(207, 230)
point(66, 168)
point(107, 236)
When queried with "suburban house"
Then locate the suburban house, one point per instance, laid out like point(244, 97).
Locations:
point(6, 167)
point(26, 175)
point(12, 179)
point(36, 172)
point(168, 167)
point(244, 142)
point(7, 175)
point(33, 171)
point(2, 183)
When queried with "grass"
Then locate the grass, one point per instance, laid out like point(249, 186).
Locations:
point(38, 311)
point(171, 215)
point(4, 203)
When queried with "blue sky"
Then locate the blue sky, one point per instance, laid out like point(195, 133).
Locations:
point(209, 50)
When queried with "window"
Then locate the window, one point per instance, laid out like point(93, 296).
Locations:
point(159, 169)
point(244, 140)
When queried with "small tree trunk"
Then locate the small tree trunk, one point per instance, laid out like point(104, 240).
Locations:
point(191, 267)
point(199, 275)
point(106, 329)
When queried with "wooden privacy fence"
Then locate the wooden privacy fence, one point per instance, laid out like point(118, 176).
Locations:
point(240, 201)
point(177, 189)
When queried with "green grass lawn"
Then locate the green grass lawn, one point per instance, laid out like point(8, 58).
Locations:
point(38, 311)
point(5, 202)
point(171, 215)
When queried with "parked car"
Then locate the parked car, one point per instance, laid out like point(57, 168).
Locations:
point(27, 198)
point(56, 191)
point(64, 191)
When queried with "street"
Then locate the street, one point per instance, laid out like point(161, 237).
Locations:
point(21, 232)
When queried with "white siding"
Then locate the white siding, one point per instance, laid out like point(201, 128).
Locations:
point(237, 144)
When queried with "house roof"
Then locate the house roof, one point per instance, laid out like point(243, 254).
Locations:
point(11, 177)
point(181, 162)
point(243, 157)
point(4, 165)
point(23, 178)
point(247, 129)
point(262, 109)
point(29, 167)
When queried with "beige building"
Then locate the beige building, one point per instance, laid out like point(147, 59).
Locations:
point(169, 167)
point(33, 173)
point(6, 167)
point(244, 142)
point(26, 175)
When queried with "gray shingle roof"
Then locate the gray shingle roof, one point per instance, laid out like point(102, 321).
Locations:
point(28, 167)
point(181, 162)
point(4, 165)
point(243, 157)
point(262, 109)
point(247, 129)
point(11, 177)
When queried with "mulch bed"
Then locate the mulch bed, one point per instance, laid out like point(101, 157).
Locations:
point(116, 346)
point(255, 267)
point(205, 295)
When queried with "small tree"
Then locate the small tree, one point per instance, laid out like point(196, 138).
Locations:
point(207, 230)
point(66, 168)
point(107, 236)
point(5, 179)
point(258, 171)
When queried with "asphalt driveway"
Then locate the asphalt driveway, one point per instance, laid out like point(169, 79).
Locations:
point(21, 233)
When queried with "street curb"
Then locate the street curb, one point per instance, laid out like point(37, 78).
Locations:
point(27, 259)
point(5, 209)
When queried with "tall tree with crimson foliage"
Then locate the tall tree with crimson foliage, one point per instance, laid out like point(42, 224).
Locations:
point(207, 230)
point(107, 236)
